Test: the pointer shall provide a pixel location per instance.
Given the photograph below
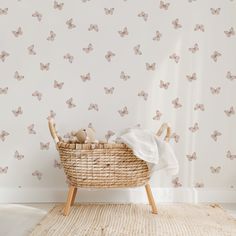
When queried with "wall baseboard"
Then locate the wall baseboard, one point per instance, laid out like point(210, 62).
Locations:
point(135, 195)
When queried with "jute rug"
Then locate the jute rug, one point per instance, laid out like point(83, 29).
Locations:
point(135, 220)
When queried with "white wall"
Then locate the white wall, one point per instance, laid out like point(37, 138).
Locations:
point(16, 180)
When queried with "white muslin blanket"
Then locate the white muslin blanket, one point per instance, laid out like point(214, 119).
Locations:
point(146, 146)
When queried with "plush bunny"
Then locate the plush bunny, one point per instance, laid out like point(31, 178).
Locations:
point(85, 135)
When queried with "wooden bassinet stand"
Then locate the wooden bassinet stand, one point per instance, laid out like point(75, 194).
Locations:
point(103, 166)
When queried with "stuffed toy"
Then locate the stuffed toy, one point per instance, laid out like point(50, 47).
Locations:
point(84, 136)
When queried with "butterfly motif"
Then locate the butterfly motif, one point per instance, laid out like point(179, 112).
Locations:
point(88, 49)
point(215, 91)
point(3, 90)
point(175, 57)
point(70, 24)
point(215, 135)
point(194, 128)
point(199, 27)
point(143, 15)
point(199, 106)
point(137, 50)
point(57, 5)
point(30, 129)
point(18, 156)
point(4, 55)
point(199, 185)
point(192, 77)
point(230, 156)
point(93, 27)
point(192, 157)
point(123, 32)
point(164, 5)
point(37, 15)
point(3, 170)
point(68, 57)
point(57, 164)
point(37, 174)
point(52, 115)
point(176, 103)
point(3, 135)
point(51, 36)
point(109, 134)
point(109, 56)
point(109, 90)
point(17, 32)
point(143, 94)
point(44, 146)
point(123, 76)
point(58, 85)
point(44, 66)
point(38, 95)
point(157, 37)
point(109, 11)
point(90, 125)
point(176, 24)
point(215, 56)
point(194, 49)
point(176, 182)
point(230, 76)
point(230, 32)
point(157, 116)
point(230, 112)
point(215, 11)
point(150, 66)
point(31, 50)
point(123, 111)
point(18, 76)
point(85, 77)
point(215, 170)
point(17, 112)
point(93, 106)
point(3, 11)
point(70, 103)
point(176, 137)
point(164, 85)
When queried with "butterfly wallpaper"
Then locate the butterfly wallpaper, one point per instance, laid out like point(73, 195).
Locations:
point(112, 65)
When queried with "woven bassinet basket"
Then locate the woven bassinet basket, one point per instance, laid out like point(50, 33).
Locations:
point(102, 165)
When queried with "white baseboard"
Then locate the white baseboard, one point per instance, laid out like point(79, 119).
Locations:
point(135, 195)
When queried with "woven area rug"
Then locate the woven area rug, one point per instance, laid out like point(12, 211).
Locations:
point(136, 219)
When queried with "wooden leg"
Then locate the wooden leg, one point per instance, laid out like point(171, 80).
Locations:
point(73, 197)
point(69, 200)
point(151, 199)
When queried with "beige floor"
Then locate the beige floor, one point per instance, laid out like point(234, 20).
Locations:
point(20, 219)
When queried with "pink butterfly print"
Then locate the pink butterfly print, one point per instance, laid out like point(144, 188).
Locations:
point(44, 146)
point(57, 5)
point(45, 67)
point(176, 137)
point(18, 76)
point(164, 5)
point(215, 11)
point(192, 77)
point(123, 111)
point(31, 50)
point(3, 11)
point(18, 156)
point(85, 77)
point(58, 85)
point(30, 129)
point(230, 76)
point(123, 32)
point(176, 103)
point(93, 106)
point(17, 32)
point(215, 170)
point(17, 112)
point(192, 157)
point(51, 36)
point(199, 106)
point(70, 24)
point(88, 49)
point(109, 134)
point(68, 57)
point(194, 128)
point(164, 85)
point(3, 90)
point(37, 174)
point(194, 49)
point(199, 185)
point(143, 15)
point(52, 115)
point(176, 183)
point(157, 116)
point(215, 91)
point(157, 37)
point(57, 164)
point(3, 170)
point(176, 24)
point(4, 55)
point(230, 156)
point(38, 95)
point(109, 56)
point(230, 112)
point(93, 27)
point(175, 57)
point(3, 135)
point(215, 135)
point(215, 56)
point(109, 11)
point(123, 76)
point(199, 27)
point(109, 90)
point(37, 15)
point(230, 32)
point(143, 94)
point(150, 66)
point(137, 50)
point(70, 103)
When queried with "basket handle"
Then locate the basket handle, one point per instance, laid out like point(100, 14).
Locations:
point(53, 131)
point(163, 127)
